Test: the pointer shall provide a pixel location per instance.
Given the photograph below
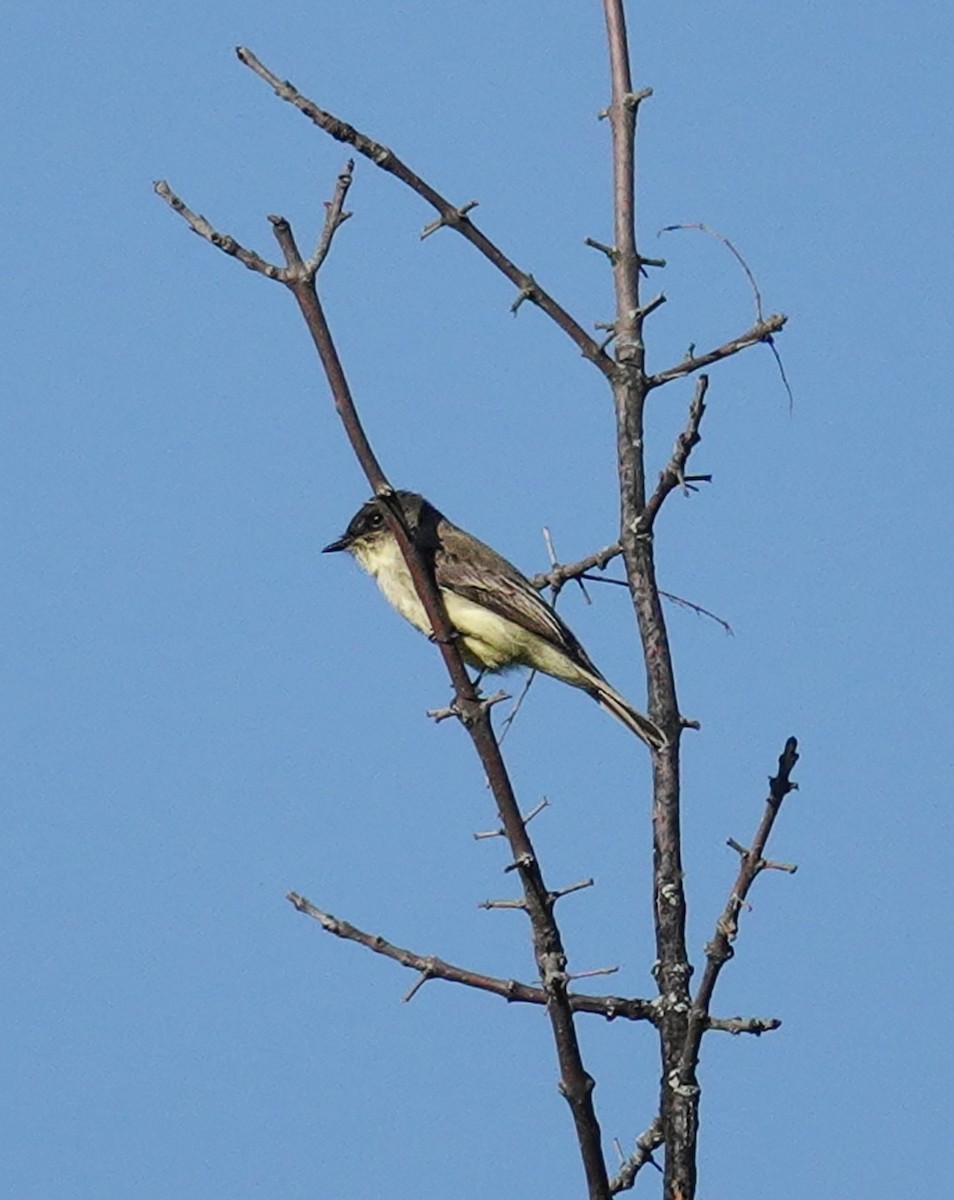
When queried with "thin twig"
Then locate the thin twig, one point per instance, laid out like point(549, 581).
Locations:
point(571, 888)
point(335, 216)
point(755, 291)
point(714, 233)
point(557, 576)
point(591, 974)
point(681, 602)
point(651, 305)
point(507, 722)
point(554, 562)
point(610, 251)
point(560, 574)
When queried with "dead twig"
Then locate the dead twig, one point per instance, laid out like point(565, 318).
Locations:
point(720, 237)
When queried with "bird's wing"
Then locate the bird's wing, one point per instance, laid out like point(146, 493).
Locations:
point(501, 588)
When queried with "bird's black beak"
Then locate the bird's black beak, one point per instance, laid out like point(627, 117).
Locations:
point(341, 544)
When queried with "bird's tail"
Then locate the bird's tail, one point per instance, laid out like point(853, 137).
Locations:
point(634, 720)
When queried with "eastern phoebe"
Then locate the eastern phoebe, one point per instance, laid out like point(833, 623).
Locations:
point(502, 619)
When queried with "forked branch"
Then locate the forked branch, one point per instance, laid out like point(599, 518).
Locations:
point(451, 215)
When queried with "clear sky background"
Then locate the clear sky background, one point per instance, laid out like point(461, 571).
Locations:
point(201, 712)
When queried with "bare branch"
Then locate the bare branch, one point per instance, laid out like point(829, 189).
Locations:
point(736, 1025)
point(622, 118)
point(612, 1007)
point(528, 291)
point(335, 216)
point(761, 331)
point(651, 305)
point(610, 251)
point(557, 576)
point(719, 949)
point(681, 602)
point(768, 865)
point(571, 888)
point(507, 723)
point(554, 562)
point(222, 241)
point(295, 267)
point(415, 987)
point(681, 1019)
point(451, 215)
point(673, 474)
point(431, 967)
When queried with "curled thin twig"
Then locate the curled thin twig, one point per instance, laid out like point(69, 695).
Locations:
point(714, 233)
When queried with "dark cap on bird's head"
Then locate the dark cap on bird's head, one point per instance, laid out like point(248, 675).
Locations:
point(370, 520)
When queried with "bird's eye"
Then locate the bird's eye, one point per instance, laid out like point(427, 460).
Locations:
point(376, 520)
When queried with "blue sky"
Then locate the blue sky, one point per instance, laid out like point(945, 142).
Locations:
point(201, 712)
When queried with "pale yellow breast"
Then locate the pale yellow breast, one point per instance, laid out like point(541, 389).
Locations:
point(488, 640)
point(383, 559)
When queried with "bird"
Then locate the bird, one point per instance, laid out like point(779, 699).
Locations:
point(501, 619)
